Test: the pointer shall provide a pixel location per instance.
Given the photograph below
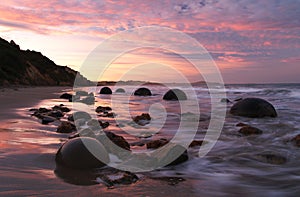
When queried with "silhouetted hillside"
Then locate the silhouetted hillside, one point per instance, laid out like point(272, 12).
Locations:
point(19, 67)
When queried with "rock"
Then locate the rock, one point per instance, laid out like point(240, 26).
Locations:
point(169, 155)
point(93, 123)
point(196, 143)
point(105, 90)
point(56, 114)
point(175, 95)
point(81, 93)
point(156, 143)
point(101, 109)
point(248, 130)
point(253, 108)
point(74, 98)
point(142, 119)
point(43, 110)
point(296, 140)
point(75, 153)
point(83, 133)
point(118, 140)
point(66, 127)
point(79, 122)
point(120, 90)
point(225, 100)
point(142, 92)
point(241, 124)
point(104, 124)
point(79, 115)
point(114, 144)
point(61, 108)
point(66, 96)
point(89, 100)
point(271, 158)
point(47, 119)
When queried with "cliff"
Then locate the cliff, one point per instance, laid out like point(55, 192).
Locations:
point(25, 67)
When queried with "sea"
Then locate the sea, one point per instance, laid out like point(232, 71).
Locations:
point(227, 164)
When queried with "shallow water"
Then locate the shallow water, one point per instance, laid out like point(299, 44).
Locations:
point(235, 165)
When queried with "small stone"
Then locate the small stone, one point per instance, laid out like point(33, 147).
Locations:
point(248, 130)
point(66, 127)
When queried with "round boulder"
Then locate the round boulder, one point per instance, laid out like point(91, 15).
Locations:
point(105, 90)
point(82, 153)
point(142, 92)
point(175, 95)
point(253, 108)
point(120, 90)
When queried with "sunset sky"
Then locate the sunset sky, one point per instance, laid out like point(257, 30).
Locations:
point(251, 41)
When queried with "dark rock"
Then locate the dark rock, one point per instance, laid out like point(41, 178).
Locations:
point(142, 119)
point(75, 153)
point(82, 93)
point(225, 100)
point(175, 95)
point(43, 110)
point(83, 133)
point(79, 115)
point(104, 124)
point(89, 100)
point(118, 140)
point(271, 158)
point(156, 143)
point(142, 92)
point(61, 108)
point(254, 108)
point(196, 143)
point(114, 144)
point(120, 90)
point(241, 124)
point(101, 109)
point(80, 122)
point(296, 140)
point(56, 114)
point(105, 90)
point(248, 130)
point(66, 96)
point(93, 123)
point(74, 98)
point(47, 119)
point(169, 155)
point(66, 127)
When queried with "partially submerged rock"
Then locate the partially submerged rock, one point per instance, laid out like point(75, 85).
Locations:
point(154, 144)
point(142, 92)
point(82, 153)
point(120, 90)
point(249, 130)
point(253, 108)
point(296, 140)
point(79, 115)
point(66, 96)
point(105, 90)
point(175, 95)
point(142, 119)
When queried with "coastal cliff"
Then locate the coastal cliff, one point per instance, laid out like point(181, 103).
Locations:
point(26, 67)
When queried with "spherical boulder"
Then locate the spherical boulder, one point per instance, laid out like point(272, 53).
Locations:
point(253, 108)
point(66, 96)
point(105, 90)
point(175, 95)
point(82, 153)
point(142, 92)
point(120, 90)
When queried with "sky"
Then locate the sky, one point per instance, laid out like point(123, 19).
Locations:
point(251, 41)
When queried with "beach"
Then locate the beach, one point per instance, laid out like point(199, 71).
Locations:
point(235, 166)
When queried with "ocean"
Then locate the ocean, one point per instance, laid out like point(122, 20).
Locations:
point(264, 165)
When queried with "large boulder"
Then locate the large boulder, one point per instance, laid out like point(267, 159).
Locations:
point(142, 92)
point(79, 153)
point(79, 115)
point(105, 90)
point(175, 95)
point(253, 108)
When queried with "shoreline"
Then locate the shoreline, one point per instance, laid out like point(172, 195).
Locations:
point(15, 98)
